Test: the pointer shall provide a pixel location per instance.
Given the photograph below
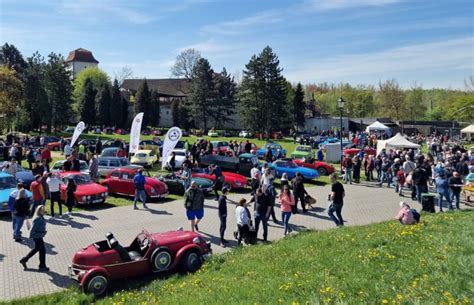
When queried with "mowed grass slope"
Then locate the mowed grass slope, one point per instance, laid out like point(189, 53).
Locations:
point(386, 263)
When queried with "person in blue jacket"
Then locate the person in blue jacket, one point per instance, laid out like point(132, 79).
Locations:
point(139, 183)
point(11, 205)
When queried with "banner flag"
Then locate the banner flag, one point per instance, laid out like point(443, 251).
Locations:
point(77, 132)
point(135, 133)
point(172, 137)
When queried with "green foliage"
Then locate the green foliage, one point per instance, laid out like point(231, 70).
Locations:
point(116, 106)
point(202, 97)
point(87, 109)
point(224, 103)
point(155, 109)
point(11, 94)
point(36, 106)
point(143, 103)
point(415, 105)
point(103, 106)
point(299, 107)
point(263, 93)
point(12, 58)
point(98, 78)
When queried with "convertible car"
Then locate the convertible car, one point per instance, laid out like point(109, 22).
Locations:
point(290, 168)
point(120, 181)
point(87, 191)
point(103, 261)
point(322, 167)
point(175, 185)
point(232, 180)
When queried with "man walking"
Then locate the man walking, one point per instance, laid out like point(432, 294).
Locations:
point(54, 185)
point(139, 183)
point(223, 214)
point(194, 204)
point(299, 191)
point(337, 200)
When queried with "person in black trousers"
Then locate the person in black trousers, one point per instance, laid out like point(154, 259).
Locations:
point(223, 214)
point(37, 233)
point(299, 191)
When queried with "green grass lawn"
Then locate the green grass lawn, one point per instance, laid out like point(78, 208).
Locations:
point(385, 263)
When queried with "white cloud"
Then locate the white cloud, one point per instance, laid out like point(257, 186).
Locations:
point(343, 4)
point(239, 25)
point(413, 60)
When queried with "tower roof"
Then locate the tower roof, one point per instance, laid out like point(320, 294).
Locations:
point(81, 55)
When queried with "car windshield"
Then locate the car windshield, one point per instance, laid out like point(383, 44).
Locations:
point(110, 152)
point(141, 155)
point(303, 148)
point(291, 164)
point(222, 144)
point(179, 153)
point(58, 165)
point(7, 183)
point(124, 161)
point(84, 166)
point(82, 179)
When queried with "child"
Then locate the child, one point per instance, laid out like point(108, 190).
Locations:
point(406, 215)
point(400, 181)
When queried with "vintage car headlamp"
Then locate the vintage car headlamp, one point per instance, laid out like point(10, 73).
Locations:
point(197, 240)
point(153, 191)
point(238, 183)
point(84, 198)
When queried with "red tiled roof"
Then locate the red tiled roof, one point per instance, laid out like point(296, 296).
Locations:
point(81, 55)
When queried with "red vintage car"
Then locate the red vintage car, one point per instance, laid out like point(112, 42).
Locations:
point(120, 181)
point(87, 191)
point(322, 167)
point(355, 151)
point(233, 180)
point(101, 262)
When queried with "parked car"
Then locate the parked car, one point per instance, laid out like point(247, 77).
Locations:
point(289, 167)
point(96, 265)
point(219, 146)
point(24, 176)
point(212, 133)
point(302, 151)
point(275, 147)
point(110, 152)
point(322, 167)
point(245, 134)
point(242, 164)
point(152, 145)
point(7, 185)
point(120, 181)
point(145, 157)
point(54, 146)
point(355, 151)
point(180, 156)
point(121, 131)
point(106, 164)
point(231, 180)
point(176, 186)
point(58, 166)
point(88, 192)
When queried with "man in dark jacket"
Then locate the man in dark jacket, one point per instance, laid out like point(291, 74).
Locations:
point(420, 179)
point(455, 184)
point(194, 204)
point(223, 214)
point(20, 213)
point(262, 207)
point(299, 191)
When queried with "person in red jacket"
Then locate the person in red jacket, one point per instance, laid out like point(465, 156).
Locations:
point(46, 156)
point(38, 193)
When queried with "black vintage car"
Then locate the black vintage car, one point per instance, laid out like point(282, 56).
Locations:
point(175, 185)
point(242, 164)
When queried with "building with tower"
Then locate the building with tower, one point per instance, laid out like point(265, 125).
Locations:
point(80, 59)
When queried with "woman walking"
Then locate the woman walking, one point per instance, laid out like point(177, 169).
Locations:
point(37, 233)
point(20, 213)
point(70, 189)
point(286, 202)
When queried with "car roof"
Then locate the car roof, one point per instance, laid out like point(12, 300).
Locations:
point(128, 168)
point(247, 155)
point(3, 175)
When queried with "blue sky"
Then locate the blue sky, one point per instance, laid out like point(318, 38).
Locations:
point(427, 42)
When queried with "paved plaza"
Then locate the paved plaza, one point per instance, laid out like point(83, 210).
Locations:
point(364, 204)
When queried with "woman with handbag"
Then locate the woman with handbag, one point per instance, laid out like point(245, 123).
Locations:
point(37, 233)
point(287, 201)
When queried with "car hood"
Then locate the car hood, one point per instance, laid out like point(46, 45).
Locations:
point(5, 194)
point(234, 176)
point(170, 237)
point(300, 153)
point(308, 172)
point(156, 184)
point(90, 189)
point(202, 182)
point(89, 256)
point(25, 176)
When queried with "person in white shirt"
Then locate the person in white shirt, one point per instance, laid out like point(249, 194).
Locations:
point(267, 177)
point(408, 166)
point(54, 185)
point(242, 218)
point(10, 167)
point(256, 176)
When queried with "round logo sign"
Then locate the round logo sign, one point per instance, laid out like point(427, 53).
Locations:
point(174, 134)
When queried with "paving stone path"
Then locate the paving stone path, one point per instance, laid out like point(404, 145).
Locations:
point(364, 204)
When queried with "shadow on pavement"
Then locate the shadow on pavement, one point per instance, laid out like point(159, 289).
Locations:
point(2, 256)
point(49, 247)
point(69, 221)
point(216, 240)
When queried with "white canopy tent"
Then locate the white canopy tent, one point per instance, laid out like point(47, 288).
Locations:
point(396, 142)
point(377, 126)
point(469, 130)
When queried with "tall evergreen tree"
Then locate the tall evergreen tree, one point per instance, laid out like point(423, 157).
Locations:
point(263, 93)
point(103, 105)
point(299, 107)
point(58, 87)
point(155, 109)
point(224, 102)
point(143, 102)
point(201, 103)
point(116, 107)
point(12, 58)
point(175, 108)
point(35, 108)
point(124, 123)
point(87, 104)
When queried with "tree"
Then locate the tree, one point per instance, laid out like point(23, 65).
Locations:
point(299, 107)
point(224, 102)
point(263, 93)
point(103, 106)
point(12, 58)
point(414, 103)
point(116, 107)
point(123, 74)
point(58, 87)
point(36, 107)
point(155, 109)
point(175, 108)
point(392, 100)
point(98, 78)
point(143, 102)
point(11, 94)
point(185, 63)
point(201, 103)
point(87, 103)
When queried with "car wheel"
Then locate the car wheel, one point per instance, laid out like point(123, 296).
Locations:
point(228, 186)
point(322, 171)
point(191, 262)
point(161, 259)
point(96, 284)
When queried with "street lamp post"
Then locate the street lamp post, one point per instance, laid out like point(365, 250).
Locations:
point(340, 105)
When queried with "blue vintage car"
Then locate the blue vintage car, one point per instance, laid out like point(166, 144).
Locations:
point(290, 168)
point(7, 185)
point(277, 150)
point(23, 175)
